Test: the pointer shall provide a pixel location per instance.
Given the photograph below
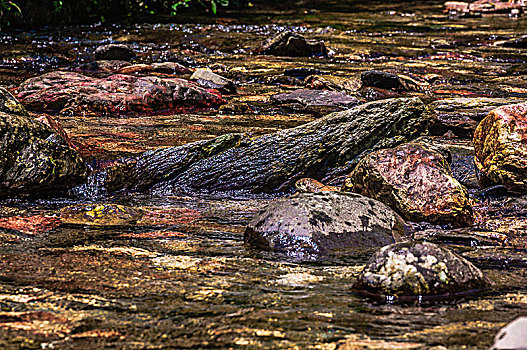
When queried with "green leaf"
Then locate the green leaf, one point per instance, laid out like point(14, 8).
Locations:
point(213, 3)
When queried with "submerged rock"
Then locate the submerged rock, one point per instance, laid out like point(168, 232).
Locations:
point(320, 222)
point(315, 98)
point(423, 271)
point(414, 181)
point(323, 149)
point(292, 44)
point(100, 215)
point(114, 52)
point(500, 147)
point(116, 94)
point(209, 79)
point(34, 160)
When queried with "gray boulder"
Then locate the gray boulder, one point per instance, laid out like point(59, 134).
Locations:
point(512, 337)
point(323, 221)
point(422, 271)
point(211, 80)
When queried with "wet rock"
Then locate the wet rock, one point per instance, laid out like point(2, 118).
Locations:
point(517, 43)
point(500, 148)
point(34, 160)
point(414, 181)
point(381, 80)
point(294, 45)
point(311, 100)
point(423, 271)
point(100, 215)
point(302, 73)
point(462, 115)
point(320, 222)
point(9, 104)
point(114, 52)
point(102, 67)
point(164, 164)
point(170, 68)
point(512, 337)
point(209, 79)
point(482, 6)
point(116, 94)
point(324, 149)
point(332, 83)
point(308, 185)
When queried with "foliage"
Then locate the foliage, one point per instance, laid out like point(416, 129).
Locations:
point(213, 4)
point(9, 11)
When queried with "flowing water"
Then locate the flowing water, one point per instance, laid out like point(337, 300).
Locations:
point(181, 276)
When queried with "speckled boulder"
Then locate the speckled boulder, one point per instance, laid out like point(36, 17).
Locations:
point(323, 221)
point(414, 181)
point(35, 160)
point(294, 45)
point(409, 271)
point(501, 147)
point(114, 52)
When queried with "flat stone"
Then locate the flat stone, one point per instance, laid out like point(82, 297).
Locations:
point(320, 222)
point(209, 79)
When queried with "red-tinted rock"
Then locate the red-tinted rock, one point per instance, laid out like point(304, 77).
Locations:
point(414, 181)
point(30, 225)
point(500, 144)
point(116, 94)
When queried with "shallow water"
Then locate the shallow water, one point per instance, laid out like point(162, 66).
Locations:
point(184, 278)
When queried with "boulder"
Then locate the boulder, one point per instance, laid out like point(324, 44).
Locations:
point(294, 45)
point(34, 160)
point(323, 149)
point(381, 80)
point(209, 79)
point(116, 94)
point(414, 181)
point(306, 99)
point(500, 147)
point(117, 52)
point(419, 271)
point(9, 104)
point(323, 221)
point(512, 337)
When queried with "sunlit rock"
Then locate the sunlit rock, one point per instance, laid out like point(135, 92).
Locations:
point(501, 147)
point(100, 215)
point(116, 94)
point(9, 104)
point(320, 222)
point(419, 271)
point(414, 181)
point(211, 80)
point(512, 337)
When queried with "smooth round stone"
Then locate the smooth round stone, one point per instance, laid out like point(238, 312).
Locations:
point(419, 271)
point(323, 221)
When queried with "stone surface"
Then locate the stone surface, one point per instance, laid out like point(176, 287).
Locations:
point(308, 185)
point(414, 181)
point(320, 222)
point(114, 52)
point(9, 104)
point(419, 271)
point(211, 80)
point(292, 44)
point(500, 144)
point(324, 149)
point(512, 337)
point(100, 215)
point(481, 6)
point(332, 83)
point(34, 160)
point(381, 80)
point(315, 98)
point(116, 94)
point(517, 43)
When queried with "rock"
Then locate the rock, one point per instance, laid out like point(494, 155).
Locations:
point(414, 181)
point(114, 52)
point(500, 148)
point(323, 149)
point(294, 45)
point(512, 337)
point(308, 185)
point(302, 72)
point(170, 68)
point(481, 6)
point(462, 115)
point(34, 160)
point(381, 80)
point(100, 215)
point(315, 98)
point(9, 104)
point(102, 67)
point(211, 80)
point(411, 271)
point(332, 83)
point(324, 221)
point(116, 94)
point(517, 43)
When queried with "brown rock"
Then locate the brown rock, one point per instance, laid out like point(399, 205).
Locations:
point(414, 181)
